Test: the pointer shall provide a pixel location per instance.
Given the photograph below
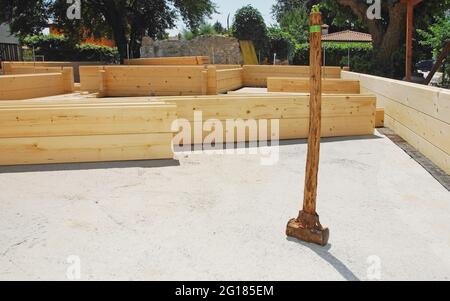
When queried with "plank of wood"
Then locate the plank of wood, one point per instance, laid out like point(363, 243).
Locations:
point(256, 75)
point(229, 79)
point(212, 80)
point(288, 129)
point(428, 100)
point(88, 120)
point(69, 149)
point(269, 107)
point(17, 87)
point(302, 85)
point(436, 155)
point(186, 60)
point(419, 114)
point(91, 78)
point(379, 119)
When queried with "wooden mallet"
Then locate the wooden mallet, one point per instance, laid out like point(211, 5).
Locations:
point(307, 226)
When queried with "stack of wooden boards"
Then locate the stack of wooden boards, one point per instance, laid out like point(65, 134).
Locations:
point(20, 67)
point(118, 81)
point(114, 129)
point(35, 132)
point(176, 61)
point(302, 85)
point(329, 86)
point(42, 81)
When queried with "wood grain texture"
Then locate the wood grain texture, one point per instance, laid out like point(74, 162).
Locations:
point(302, 85)
point(69, 149)
point(256, 76)
point(315, 117)
point(185, 60)
point(419, 114)
point(26, 86)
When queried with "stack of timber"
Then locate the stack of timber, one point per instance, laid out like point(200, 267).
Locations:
point(221, 81)
point(256, 76)
point(10, 68)
point(176, 61)
point(116, 81)
point(419, 114)
point(40, 132)
point(349, 115)
point(123, 81)
point(26, 86)
point(302, 85)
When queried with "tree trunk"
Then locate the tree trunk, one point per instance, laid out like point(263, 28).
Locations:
point(386, 40)
point(137, 34)
point(116, 17)
point(394, 36)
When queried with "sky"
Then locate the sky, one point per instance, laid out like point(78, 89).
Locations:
point(225, 7)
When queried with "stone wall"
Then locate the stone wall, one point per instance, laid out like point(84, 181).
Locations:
point(220, 49)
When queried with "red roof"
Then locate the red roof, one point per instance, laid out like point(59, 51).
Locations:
point(347, 36)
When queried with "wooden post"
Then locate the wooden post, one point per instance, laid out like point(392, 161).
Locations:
point(307, 226)
point(68, 80)
point(410, 4)
point(103, 89)
point(409, 36)
point(212, 80)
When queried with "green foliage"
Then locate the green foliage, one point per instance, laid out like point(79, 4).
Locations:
point(437, 35)
point(281, 43)
point(296, 22)
point(316, 8)
point(127, 21)
point(345, 46)
point(60, 48)
point(206, 29)
point(24, 16)
point(218, 27)
point(187, 35)
point(249, 25)
point(337, 55)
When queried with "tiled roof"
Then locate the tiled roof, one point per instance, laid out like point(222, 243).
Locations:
point(347, 36)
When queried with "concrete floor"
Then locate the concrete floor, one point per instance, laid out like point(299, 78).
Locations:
point(223, 217)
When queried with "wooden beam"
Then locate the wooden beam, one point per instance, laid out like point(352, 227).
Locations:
point(410, 4)
point(302, 85)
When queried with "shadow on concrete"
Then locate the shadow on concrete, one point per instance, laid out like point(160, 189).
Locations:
point(324, 253)
point(241, 145)
point(88, 166)
point(331, 139)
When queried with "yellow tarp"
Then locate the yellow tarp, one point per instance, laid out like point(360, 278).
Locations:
point(249, 53)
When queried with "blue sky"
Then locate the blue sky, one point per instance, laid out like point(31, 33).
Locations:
point(225, 7)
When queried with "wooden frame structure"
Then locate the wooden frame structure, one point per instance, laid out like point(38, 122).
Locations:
point(89, 129)
point(26, 86)
point(121, 81)
point(419, 114)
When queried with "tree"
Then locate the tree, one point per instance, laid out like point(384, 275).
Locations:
point(388, 33)
point(249, 25)
point(126, 21)
point(437, 35)
point(218, 27)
